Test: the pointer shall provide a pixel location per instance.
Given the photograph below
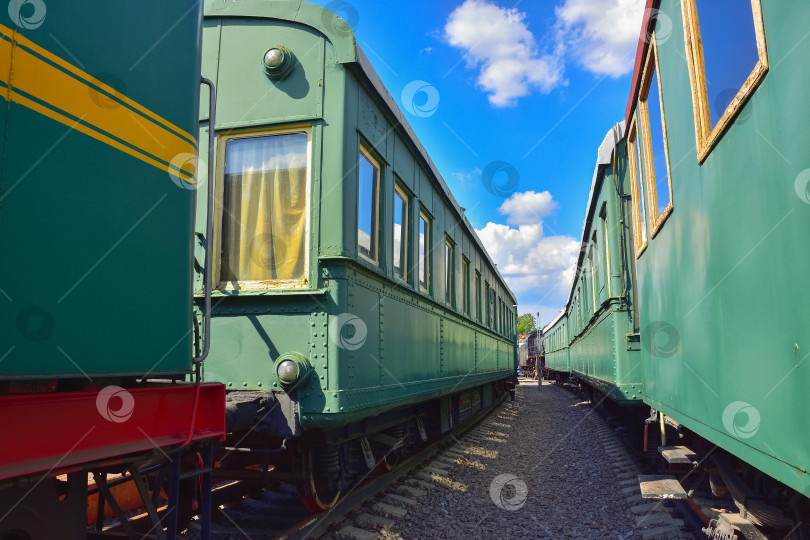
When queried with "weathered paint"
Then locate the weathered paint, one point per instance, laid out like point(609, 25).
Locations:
point(726, 269)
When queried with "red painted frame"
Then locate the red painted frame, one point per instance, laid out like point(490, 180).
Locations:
point(651, 7)
point(56, 432)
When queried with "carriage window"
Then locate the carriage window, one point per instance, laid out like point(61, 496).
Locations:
point(478, 296)
point(606, 258)
point(465, 276)
point(651, 112)
point(638, 178)
point(367, 204)
point(449, 273)
point(424, 252)
point(400, 234)
point(727, 58)
point(264, 223)
point(488, 306)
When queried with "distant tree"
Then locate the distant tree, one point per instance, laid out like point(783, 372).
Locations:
point(525, 323)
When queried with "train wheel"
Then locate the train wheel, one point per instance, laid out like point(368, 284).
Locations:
point(320, 490)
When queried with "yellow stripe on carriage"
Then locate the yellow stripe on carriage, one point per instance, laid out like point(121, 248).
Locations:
point(147, 136)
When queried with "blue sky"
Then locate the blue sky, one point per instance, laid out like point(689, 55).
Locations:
point(527, 88)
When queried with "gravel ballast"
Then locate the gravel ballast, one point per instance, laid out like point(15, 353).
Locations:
point(536, 468)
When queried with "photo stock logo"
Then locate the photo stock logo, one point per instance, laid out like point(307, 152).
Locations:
point(191, 164)
point(500, 178)
point(115, 404)
point(27, 14)
point(662, 24)
point(802, 186)
point(340, 16)
point(661, 339)
point(724, 100)
point(508, 492)
point(741, 419)
point(348, 331)
point(101, 96)
point(35, 323)
point(420, 98)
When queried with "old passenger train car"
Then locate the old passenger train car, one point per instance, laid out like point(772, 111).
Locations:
point(355, 309)
point(715, 158)
point(99, 116)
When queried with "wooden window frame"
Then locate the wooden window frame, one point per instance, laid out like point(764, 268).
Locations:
point(367, 153)
point(424, 216)
point(219, 208)
point(707, 136)
point(638, 220)
point(657, 218)
point(406, 214)
point(449, 272)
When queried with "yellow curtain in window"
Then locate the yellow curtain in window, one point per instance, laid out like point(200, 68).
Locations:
point(264, 209)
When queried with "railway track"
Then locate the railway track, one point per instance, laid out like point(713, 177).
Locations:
point(277, 513)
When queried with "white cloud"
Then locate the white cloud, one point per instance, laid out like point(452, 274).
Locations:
point(497, 41)
point(527, 207)
point(601, 35)
point(463, 177)
point(538, 269)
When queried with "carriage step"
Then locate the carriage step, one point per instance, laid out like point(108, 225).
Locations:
point(677, 454)
point(660, 487)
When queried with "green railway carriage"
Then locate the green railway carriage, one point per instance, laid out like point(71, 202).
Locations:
point(99, 116)
point(603, 339)
point(349, 286)
point(87, 103)
point(717, 132)
point(714, 163)
point(555, 341)
point(595, 338)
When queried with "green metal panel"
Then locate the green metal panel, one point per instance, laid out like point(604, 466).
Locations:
point(724, 276)
point(244, 86)
point(95, 243)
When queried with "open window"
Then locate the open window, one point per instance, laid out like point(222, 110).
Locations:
point(401, 206)
point(655, 143)
point(727, 58)
point(368, 194)
point(262, 224)
point(638, 177)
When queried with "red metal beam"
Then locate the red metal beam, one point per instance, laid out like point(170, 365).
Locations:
point(57, 431)
point(650, 12)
